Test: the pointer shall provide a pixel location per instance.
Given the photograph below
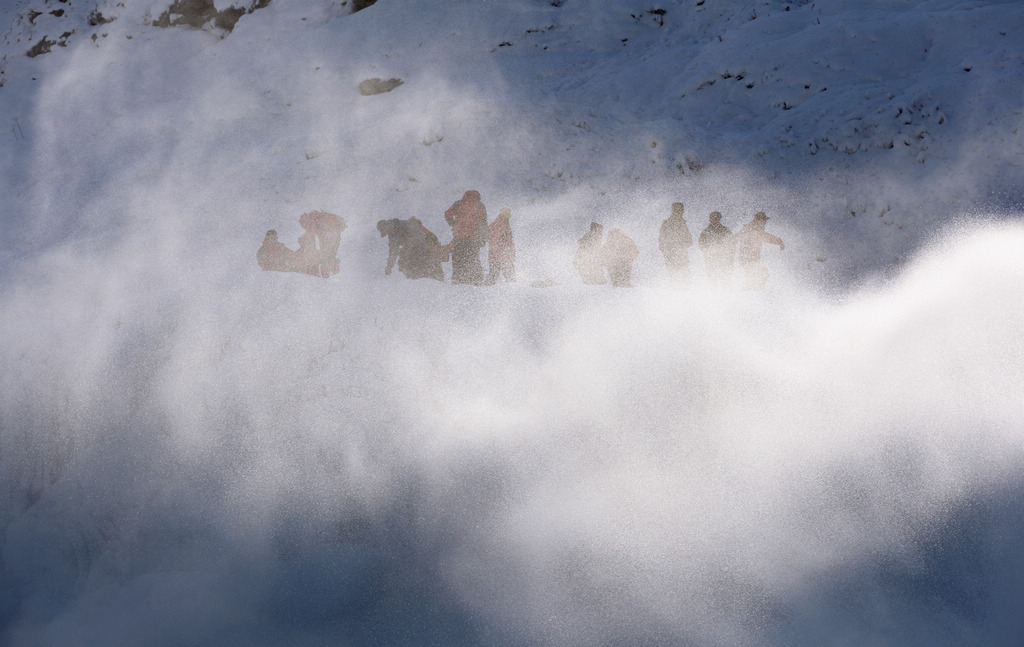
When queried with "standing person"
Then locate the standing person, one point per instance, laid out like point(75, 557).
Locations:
point(273, 255)
point(501, 249)
point(438, 255)
point(469, 226)
point(588, 256)
point(718, 245)
point(449, 215)
point(750, 239)
point(617, 255)
point(673, 240)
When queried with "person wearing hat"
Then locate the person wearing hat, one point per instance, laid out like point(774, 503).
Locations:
point(501, 249)
point(673, 240)
point(718, 245)
point(750, 239)
point(588, 256)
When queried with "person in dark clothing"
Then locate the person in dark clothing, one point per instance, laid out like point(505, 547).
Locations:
point(395, 231)
point(414, 248)
point(437, 255)
point(588, 256)
point(468, 218)
point(673, 240)
point(718, 245)
point(422, 252)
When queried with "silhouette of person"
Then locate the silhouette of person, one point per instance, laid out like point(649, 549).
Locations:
point(307, 258)
point(414, 247)
point(750, 238)
point(617, 255)
point(468, 218)
point(273, 255)
point(673, 240)
point(327, 227)
point(422, 252)
point(393, 229)
point(501, 249)
point(588, 256)
point(718, 245)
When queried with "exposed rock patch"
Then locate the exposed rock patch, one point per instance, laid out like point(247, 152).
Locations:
point(45, 44)
point(359, 5)
point(201, 13)
point(96, 18)
point(378, 86)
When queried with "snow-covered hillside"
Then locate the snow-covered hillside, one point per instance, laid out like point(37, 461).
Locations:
point(852, 125)
point(193, 451)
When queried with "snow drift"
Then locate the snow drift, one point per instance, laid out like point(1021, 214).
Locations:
point(193, 451)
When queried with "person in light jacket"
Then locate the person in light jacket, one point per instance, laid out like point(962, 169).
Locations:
point(588, 256)
point(749, 239)
point(501, 249)
point(617, 255)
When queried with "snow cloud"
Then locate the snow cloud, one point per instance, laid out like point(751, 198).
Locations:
point(195, 451)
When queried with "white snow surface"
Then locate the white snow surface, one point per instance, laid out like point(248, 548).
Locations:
point(193, 451)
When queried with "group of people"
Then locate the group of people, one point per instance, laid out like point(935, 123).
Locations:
point(597, 253)
point(615, 253)
point(318, 247)
point(720, 246)
point(418, 253)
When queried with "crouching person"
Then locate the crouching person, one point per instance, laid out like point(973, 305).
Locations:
point(274, 255)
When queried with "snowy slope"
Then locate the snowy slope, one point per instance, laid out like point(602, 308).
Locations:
point(196, 452)
point(532, 104)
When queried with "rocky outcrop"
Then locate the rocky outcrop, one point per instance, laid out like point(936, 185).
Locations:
point(198, 14)
point(378, 86)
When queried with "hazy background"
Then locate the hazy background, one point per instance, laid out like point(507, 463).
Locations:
point(195, 451)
